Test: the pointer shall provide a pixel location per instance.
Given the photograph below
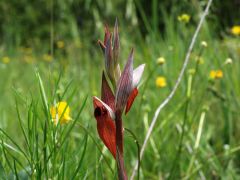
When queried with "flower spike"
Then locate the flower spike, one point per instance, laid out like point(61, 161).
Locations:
point(115, 97)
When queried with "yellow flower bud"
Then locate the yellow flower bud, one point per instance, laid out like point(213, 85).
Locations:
point(228, 61)
point(204, 44)
point(184, 18)
point(161, 61)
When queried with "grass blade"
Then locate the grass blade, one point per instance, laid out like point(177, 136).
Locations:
point(82, 157)
point(21, 126)
point(43, 94)
point(15, 170)
point(18, 147)
point(2, 172)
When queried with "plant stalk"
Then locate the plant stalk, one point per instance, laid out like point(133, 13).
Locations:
point(119, 143)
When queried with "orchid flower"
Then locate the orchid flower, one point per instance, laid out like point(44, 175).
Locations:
point(109, 109)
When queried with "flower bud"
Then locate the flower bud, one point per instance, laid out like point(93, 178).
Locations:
point(204, 44)
point(161, 61)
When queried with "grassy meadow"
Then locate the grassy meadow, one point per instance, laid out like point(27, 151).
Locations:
point(196, 135)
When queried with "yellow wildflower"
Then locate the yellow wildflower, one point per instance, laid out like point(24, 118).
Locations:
point(47, 57)
point(61, 110)
point(235, 30)
point(218, 74)
point(160, 60)
point(212, 74)
point(5, 59)
point(184, 18)
point(60, 44)
point(161, 82)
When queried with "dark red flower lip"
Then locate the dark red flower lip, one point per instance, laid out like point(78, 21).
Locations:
point(105, 124)
point(97, 103)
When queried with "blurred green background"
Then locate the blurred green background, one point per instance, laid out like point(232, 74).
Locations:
point(25, 23)
point(58, 38)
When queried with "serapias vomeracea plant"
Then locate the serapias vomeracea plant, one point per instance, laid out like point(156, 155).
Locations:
point(109, 109)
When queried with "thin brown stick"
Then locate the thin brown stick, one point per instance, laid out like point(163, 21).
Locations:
point(170, 96)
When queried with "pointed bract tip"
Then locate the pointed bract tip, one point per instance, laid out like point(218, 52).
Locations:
point(107, 34)
point(130, 58)
point(132, 51)
point(116, 43)
point(116, 24)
